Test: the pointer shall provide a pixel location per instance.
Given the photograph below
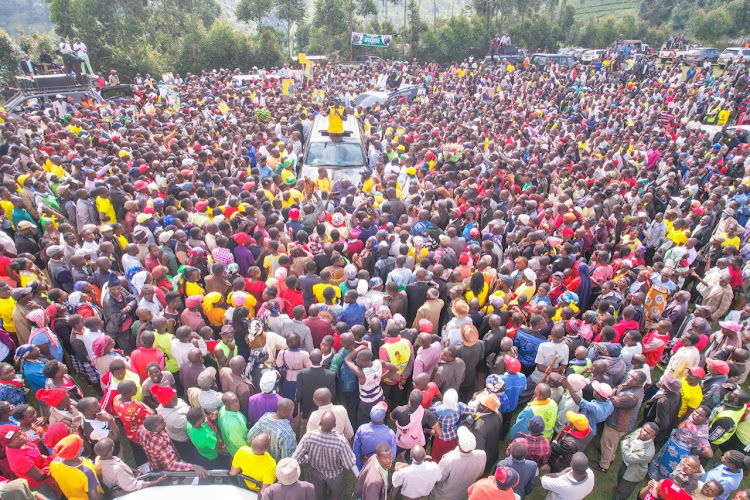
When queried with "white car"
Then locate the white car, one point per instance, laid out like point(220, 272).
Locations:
point(714, 132)
point(224, 487)
point(592, 55)
point(732, 54)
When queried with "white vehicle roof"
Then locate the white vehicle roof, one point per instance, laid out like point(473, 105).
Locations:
point(190, 492)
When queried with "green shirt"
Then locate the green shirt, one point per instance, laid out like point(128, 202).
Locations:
point(233, 427)
point(204, 439)
point(164, 344)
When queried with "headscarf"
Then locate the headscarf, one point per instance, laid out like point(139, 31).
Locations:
point(584, 289)
point(132, 272)
point(54, 434)
point(38, 317)
point(268, 382)
point(68, 447)
point(22, 352)
point(139, 280)
point(51, 397)
point(280, 274)
point(98, 346)
point(195, 255)
point(74, 299)
point(450, 400)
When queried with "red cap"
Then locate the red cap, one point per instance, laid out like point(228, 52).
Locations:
point(719, 365)
point(139, 184)
point(697, 371)
point(512, 364)
point(201, 205)
point(464, 258)
point(148, 210)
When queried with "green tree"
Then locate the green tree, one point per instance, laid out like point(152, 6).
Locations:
point(712, 26)
point(290, 12)
point(739, 11)
point(9, 57)
point(266, 52)
point(254, 10)
point(223, 47)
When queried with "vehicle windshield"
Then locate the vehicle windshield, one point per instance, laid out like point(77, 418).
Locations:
point(334, 154)
point(368, 100)
point(731, 51)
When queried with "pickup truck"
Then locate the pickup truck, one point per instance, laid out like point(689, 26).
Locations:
point(361, 61)
point(670, 55)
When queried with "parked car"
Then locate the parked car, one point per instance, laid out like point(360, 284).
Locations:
point(592, 55)
point(185, 485)
point(542, 60)
point(670, 55)
point(732, 54)
point(701, 55)
point(373, 97)
point(360, 61)
point(715, 132)
point(516, 58)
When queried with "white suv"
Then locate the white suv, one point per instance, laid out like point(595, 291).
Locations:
point(732, 54)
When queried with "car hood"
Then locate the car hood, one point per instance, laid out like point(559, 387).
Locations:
point(334, 173)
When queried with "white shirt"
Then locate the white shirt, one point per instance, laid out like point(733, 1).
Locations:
point(682, 361)
point(80, 49)
point(65, 48)
point(566, 487)
point(343, 425)
point(417, 480)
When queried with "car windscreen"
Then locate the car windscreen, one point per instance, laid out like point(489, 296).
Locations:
point(334, 154)
point(365, 100)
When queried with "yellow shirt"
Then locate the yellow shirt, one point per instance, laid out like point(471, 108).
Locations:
point(735, 242)
point(123, 241)
point(335, 123)
point(320, 287)
point(692, 396)
point(6, 314)
point(7, 207)
point(262, 468)
point(323, 184)
point(294, 198)
point(679, 237)
point(104, 205)
point(75, 482)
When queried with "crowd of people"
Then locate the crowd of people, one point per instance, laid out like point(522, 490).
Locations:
point(540, 274)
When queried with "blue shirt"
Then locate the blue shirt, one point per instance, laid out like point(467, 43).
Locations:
point(264, 171)
point(514, 386)
point(56, 351)
point(527, 472)
point(729, 480)
point(596, 411)
point(353, 314)
point(368, 436)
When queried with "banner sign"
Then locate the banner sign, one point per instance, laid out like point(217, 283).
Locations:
point(371, 40)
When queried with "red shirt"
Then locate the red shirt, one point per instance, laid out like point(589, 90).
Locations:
point(319, 328)
point(132, 414)
point(292, 298)
point(429, 394)
point(142, 357)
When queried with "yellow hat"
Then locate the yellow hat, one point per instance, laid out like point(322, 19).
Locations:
point(123, 153)
point(577, 420)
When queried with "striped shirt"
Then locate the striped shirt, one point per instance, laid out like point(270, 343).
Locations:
point(283, 439)
point(327, 452)
point(371, 392)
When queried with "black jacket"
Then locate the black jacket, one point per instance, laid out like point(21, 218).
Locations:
point(308, 381)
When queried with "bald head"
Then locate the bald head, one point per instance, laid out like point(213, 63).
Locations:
point(316, 357)
point(260, 444)
point(322, 396)
point(237, 364)
point(327, 421)
point(284, 408)
point(418, 454)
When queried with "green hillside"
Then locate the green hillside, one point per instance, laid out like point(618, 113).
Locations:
point(600, 8)
point(29, 14)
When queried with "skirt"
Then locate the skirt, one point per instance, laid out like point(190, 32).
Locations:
point(86, 369)
point(667, 459)
point(440, 448)
point(656, 301)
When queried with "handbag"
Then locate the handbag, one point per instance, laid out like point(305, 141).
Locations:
point(283, 369)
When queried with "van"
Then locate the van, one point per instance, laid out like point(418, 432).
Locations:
point(344, 159)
